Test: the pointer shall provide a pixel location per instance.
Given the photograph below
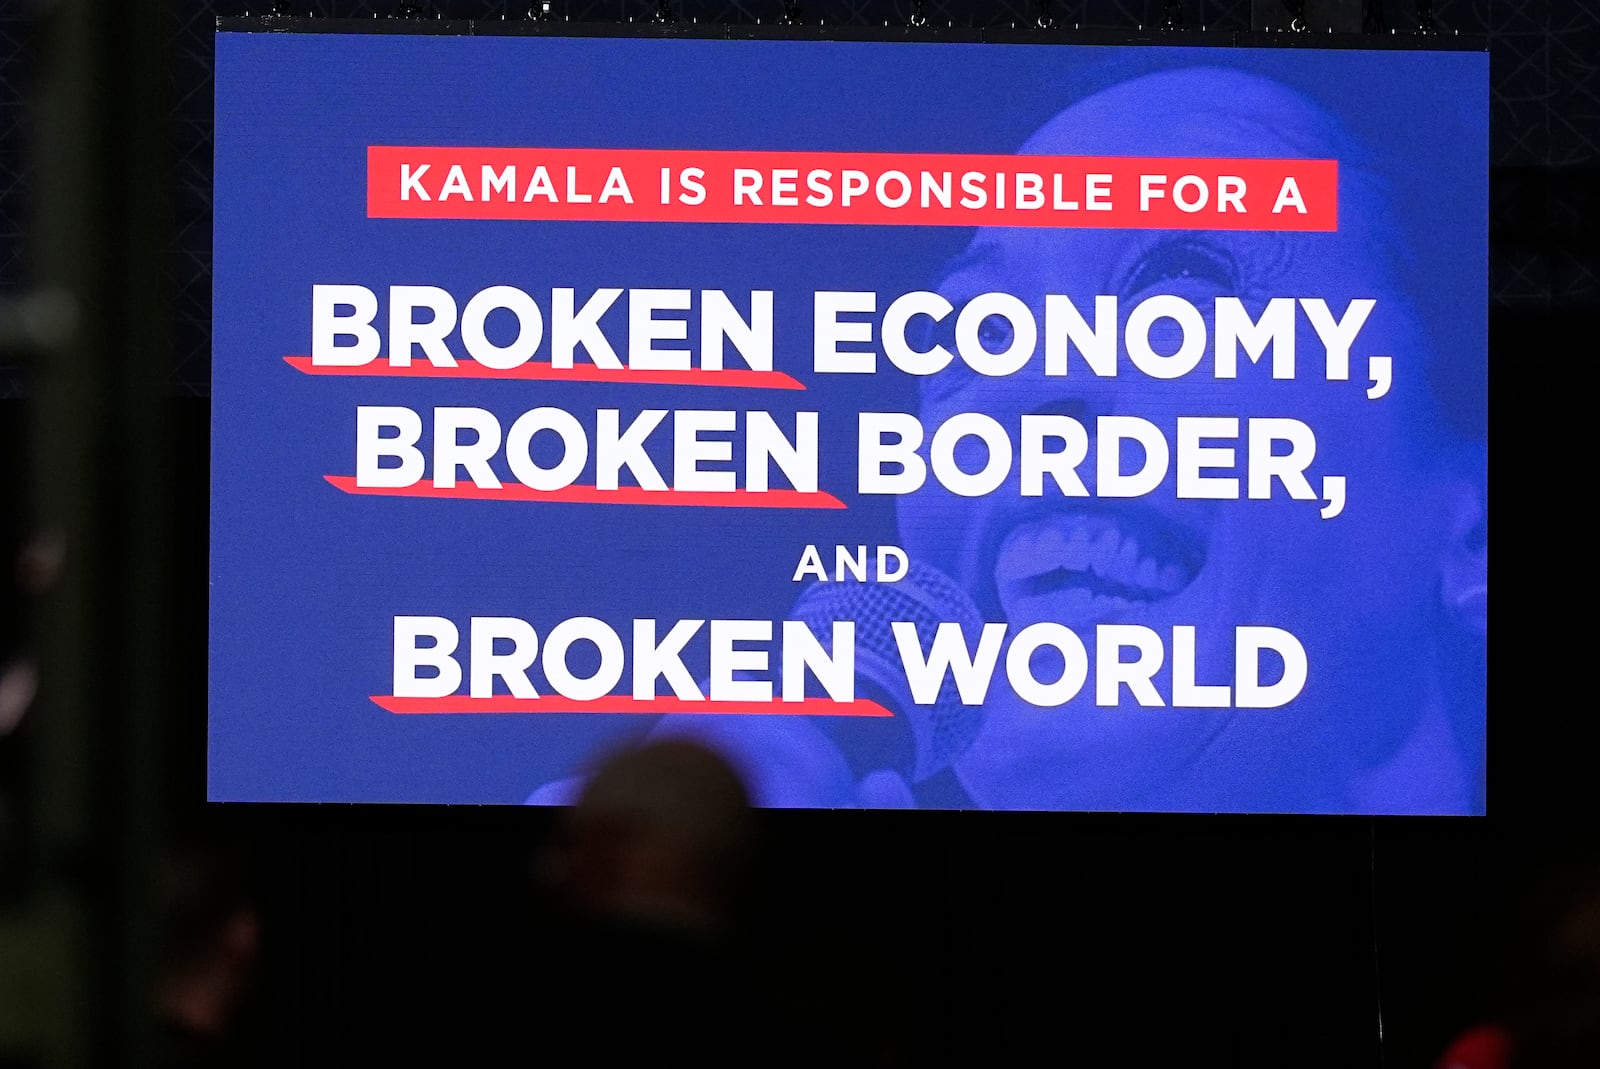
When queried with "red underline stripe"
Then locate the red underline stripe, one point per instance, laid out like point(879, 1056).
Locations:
point(543, 372)
point(590, 495)
point(624, 704)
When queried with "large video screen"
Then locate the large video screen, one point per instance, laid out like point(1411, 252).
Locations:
point(918, 424)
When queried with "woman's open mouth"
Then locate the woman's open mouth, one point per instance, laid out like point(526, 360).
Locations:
point(1083, 566)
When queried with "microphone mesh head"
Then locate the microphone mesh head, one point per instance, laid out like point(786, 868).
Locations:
point(924, 597)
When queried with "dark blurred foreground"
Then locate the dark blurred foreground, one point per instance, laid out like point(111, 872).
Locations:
point(141, 927)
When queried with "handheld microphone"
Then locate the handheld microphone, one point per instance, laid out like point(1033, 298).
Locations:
point(920, 740)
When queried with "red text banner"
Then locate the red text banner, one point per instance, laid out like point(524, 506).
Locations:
point(907, 189)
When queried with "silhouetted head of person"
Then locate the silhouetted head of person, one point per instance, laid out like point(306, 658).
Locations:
point(662, 833)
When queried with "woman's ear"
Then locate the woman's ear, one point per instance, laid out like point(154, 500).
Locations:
point(1464, 571)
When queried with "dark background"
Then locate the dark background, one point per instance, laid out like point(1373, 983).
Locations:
point(887, 938)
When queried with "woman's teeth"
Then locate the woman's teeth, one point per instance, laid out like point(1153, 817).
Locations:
point(1088, 553)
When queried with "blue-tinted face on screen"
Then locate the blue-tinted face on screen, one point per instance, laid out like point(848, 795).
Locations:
point(1374, 594)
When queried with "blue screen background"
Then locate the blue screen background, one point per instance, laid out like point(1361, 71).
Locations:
point(305, 580)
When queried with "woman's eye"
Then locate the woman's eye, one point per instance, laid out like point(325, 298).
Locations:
point(924, 332)
point(994, 334)
point(1183, 262)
